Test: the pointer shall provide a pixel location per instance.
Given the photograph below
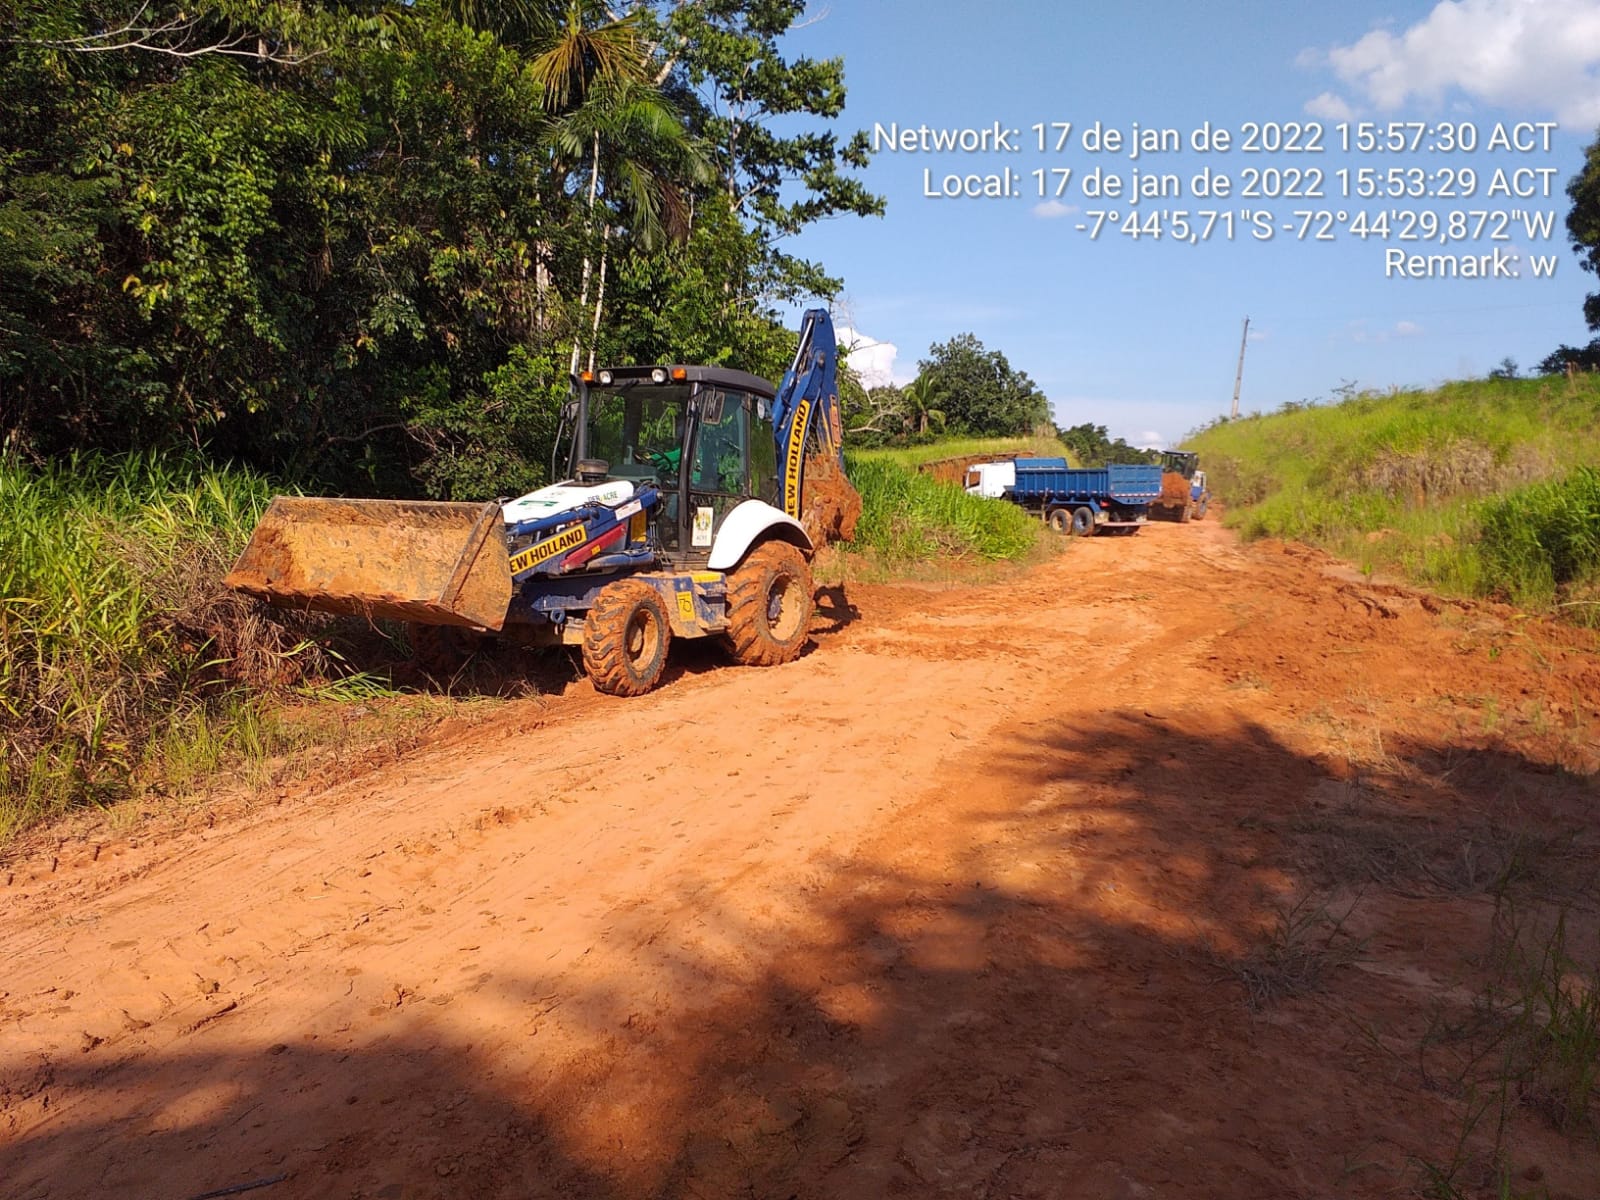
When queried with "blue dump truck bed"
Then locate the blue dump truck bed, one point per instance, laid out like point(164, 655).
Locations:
point(1050, 479)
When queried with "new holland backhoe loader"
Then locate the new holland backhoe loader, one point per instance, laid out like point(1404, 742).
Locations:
point(695, 500)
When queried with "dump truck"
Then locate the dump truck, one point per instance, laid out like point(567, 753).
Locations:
point(1080, 501)
point(694, 501)
point(1184, 494)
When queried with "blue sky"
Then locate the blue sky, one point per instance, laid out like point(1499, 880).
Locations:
point(1143, 336)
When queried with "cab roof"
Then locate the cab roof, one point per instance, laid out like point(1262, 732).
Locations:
point(726, 377)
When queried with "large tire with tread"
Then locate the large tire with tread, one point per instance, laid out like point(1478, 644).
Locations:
point(1186, 513)
point(1200, 509)
point(625, 639)
point(441, 650)
point(769, 606)
point(1083, 522)
point(1060, 520)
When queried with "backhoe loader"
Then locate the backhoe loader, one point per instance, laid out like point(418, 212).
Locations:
point(694, 501)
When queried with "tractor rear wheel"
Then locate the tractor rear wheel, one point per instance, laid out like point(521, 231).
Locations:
point(625, 639)
point(1083, 522)
point(769, 606)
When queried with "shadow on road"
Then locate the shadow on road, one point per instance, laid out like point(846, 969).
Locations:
point(1028, 988)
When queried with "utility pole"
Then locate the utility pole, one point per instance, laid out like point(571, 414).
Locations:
point(1238, 376)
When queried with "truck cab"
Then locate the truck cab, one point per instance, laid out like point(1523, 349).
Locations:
point(990, 480)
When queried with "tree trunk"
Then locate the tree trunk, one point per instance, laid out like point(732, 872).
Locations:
point(588, 266)
point(600, 294)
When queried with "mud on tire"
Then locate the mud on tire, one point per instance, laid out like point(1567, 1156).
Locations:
point(769, 606)
point(625, 639)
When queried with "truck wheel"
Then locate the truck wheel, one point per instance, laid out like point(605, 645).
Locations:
point(625, 639)
point(1060, 520)
point(769, 606)
point(1083, 522)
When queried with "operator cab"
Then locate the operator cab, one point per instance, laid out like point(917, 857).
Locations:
point(645, 423)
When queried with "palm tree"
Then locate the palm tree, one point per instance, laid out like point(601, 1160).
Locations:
point(920, 395)
point(640, 161)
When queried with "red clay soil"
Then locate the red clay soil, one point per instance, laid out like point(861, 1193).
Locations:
point(1175, 488)
point(975, 899)
point(832, 506)
point(954, 470)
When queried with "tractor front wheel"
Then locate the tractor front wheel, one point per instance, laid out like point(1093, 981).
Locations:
point(769, 606)
point(625, 639)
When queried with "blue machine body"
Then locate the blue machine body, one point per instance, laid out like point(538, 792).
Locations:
point(1048, 482)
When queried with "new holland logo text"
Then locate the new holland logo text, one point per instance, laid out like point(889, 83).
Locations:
point(535, 554)
point(796, 455)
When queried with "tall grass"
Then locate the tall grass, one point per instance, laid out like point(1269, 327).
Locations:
point(1455, 487)
point(118, 645)
point(907, 516)
point(1539, 539)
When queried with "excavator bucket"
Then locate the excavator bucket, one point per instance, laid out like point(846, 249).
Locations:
point(831, 506)
point(433, 562)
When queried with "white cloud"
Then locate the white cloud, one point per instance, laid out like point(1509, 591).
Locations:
point(1330, 107)
point(1150, 440)
point(1540, 54)
point(871, 359)
point(1257, 335)
point(1407, 329)
point(1054, 208)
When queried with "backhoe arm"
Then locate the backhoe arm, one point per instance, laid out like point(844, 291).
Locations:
point(815, 490)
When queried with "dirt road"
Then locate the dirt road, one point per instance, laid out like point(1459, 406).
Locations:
point(1153, 873)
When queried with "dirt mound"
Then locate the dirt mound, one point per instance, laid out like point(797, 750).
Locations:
point(954, 470)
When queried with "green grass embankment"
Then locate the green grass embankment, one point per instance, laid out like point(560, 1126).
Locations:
point(1481, 488)
point(911, 519)
point(908, 517)
point(914, 456)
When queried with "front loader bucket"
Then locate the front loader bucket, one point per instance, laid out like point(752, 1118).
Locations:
point(433, 562)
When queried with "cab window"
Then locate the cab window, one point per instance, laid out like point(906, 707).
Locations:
point(722, 447)
point(763, 452)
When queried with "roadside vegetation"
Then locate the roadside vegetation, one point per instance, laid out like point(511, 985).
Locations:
point(909, 517)
point(913, 456)
point(117, 640)
point(1480, 488)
